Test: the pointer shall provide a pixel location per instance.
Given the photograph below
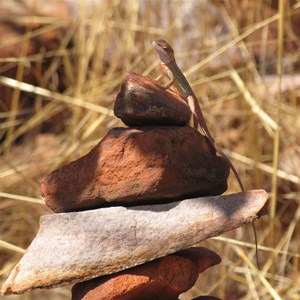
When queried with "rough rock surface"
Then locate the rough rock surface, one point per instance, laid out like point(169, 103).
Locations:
point(162, 279)
point(138, 165)
point(142, 101)
point(78, 246)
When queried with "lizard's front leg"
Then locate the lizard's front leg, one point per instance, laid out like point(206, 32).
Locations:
point(165, 73)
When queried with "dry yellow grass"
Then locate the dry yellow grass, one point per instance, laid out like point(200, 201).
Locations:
point(241, 58)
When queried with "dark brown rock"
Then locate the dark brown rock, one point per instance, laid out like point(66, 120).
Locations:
point(149, 164)
point(142, 101)
point(164, 278)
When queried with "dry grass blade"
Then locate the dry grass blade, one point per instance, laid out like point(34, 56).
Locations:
point(21, 198)
point(260, 247)
point(264, 281)
point(25, 87)
point(11, 247)
point(231, 44)
point(267, 121)
point(276, 142)
point(264, 167)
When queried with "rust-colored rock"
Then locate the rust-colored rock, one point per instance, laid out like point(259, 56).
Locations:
point(150, 164)
point(165, 278)
point(142, 101)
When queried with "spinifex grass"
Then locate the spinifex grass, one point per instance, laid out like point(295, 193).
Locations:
point(230, 63)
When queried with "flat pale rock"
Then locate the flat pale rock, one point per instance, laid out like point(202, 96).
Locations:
point(142, 101)
point(162, 279)
point(74, 247)
point(138, 165)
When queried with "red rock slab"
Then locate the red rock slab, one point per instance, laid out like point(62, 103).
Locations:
point(165, 278)
point(142, 101)
point(155, 164)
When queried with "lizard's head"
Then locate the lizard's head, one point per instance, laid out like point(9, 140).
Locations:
point(164, 50)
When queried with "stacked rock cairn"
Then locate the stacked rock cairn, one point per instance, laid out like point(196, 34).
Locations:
point(127, 212)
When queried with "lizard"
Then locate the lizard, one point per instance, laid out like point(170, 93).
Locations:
point(171, 70)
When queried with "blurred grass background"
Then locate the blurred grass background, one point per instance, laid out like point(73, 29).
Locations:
point(61, 66)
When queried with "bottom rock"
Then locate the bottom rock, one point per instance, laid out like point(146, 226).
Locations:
point(164, 278)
